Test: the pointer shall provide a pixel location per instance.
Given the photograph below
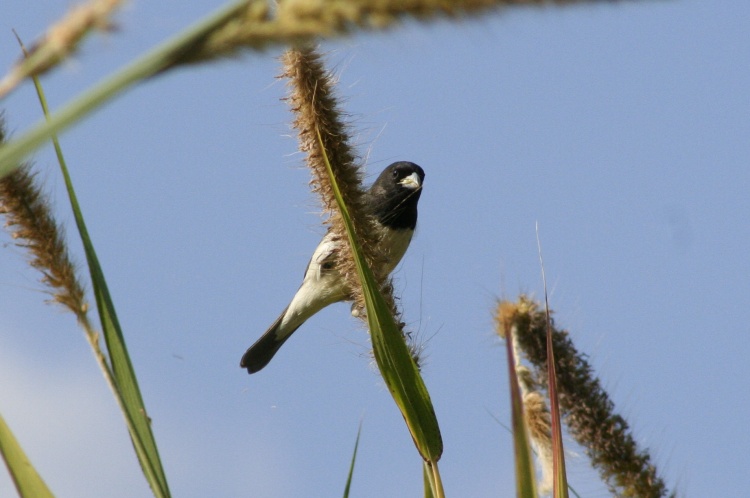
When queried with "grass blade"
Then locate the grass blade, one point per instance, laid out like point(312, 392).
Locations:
point(351, 467)
point(391, 353)
point(560, 481)
point(26, 479)
point(122, 374)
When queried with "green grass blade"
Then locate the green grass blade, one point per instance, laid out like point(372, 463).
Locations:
point(399, 371)
point(12, 153)
point(28, 482)
point(351, 466)
point(139, 424)
point(525, 476)
point(125, 383)
point(391, 353)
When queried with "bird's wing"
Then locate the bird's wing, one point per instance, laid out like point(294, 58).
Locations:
point(323, 259)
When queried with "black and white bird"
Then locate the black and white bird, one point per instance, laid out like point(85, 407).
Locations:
point(392, 201)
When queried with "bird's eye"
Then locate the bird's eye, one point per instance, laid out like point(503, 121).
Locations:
point(395, 174)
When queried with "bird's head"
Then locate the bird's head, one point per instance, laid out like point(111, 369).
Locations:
point(394, 195)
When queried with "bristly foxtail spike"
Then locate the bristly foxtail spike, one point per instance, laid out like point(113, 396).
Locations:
point(587, 409)
point(30, 222)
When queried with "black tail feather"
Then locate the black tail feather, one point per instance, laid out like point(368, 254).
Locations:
point(259, 354)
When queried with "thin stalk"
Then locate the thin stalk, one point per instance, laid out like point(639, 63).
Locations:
point(435, 480)
point(525, 479)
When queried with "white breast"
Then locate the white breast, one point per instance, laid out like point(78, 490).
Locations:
point(398, 242)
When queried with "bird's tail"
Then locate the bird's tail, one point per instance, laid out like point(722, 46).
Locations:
point(259, 354)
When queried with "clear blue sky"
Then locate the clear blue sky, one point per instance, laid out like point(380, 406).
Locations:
point(623, 130)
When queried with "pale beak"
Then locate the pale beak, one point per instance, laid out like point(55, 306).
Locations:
point(412, 181)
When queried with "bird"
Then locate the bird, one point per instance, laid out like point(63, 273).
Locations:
point(392, 202)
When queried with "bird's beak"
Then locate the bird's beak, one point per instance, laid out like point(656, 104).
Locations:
point(412, 181)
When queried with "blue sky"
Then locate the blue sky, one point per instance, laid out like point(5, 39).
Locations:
point(621, 129)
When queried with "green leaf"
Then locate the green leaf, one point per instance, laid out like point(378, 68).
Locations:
point(351, 466)
point(122, 374)
point(25, 477)
point(399, 371)
point(391, 353)
point(138, 422)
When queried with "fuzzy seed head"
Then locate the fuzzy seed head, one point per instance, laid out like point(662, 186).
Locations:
point(31, 224)
point(586, 407)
